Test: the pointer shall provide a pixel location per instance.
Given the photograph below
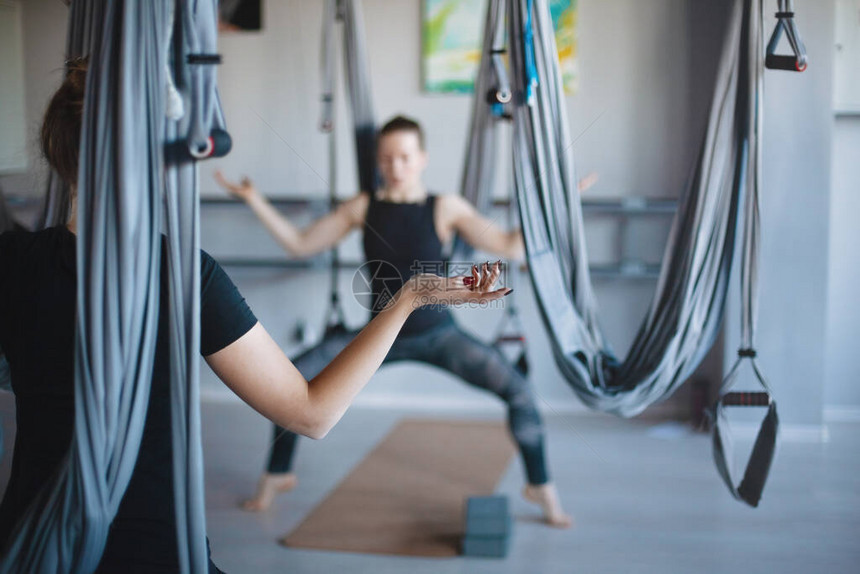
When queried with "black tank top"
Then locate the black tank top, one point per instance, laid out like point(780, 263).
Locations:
point(400, 241)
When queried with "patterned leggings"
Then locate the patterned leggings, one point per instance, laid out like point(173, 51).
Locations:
point(450, 348)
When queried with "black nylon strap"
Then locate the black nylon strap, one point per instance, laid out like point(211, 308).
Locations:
point(204, 59)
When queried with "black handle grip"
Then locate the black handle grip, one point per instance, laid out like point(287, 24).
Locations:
point(222, 143)
point(219, 144)
point(787, 63)
point(746, 399)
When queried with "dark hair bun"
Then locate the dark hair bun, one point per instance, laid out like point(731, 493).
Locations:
point(76, 74)
point(61, 128)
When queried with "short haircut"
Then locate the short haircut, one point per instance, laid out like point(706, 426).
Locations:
point(402, 124)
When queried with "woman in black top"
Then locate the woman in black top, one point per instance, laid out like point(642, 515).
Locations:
point(37, 322)
point(405, 229)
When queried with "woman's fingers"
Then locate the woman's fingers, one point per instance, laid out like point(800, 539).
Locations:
point(483, 278)
point(475, 288)
point(239, 189)
point(224, 182)
point(219, 177)
point(489, 275)
point(495, 273)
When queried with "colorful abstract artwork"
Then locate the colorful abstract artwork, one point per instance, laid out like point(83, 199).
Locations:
point(452, 43)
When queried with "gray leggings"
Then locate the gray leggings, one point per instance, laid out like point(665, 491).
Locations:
point(450, 348)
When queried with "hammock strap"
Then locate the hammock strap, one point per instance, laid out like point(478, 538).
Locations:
point(797, 61)
point(750, 488)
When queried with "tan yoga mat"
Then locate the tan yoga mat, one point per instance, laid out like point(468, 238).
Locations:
point(407, 496)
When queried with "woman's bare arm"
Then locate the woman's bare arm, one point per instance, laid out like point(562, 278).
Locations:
point(482, 233)
point(256, 369)
point(321, 235)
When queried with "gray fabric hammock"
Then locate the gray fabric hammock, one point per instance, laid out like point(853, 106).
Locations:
point(358, 86)
point(492, 92)
point(56, 205)
point(126, 194)
point(360, 102)
point(685, 314)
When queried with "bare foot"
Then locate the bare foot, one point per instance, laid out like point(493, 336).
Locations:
point(547, 497)
point(267, 488)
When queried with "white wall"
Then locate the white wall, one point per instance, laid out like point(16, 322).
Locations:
point(44, 35)
point(795, 201)
point(646, 71)
point(13, 156)
point(841, 390)
point(631, 117)
point(633, 78)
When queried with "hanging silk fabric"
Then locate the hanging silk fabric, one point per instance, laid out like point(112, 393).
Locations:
point(359, 91)
point(360, 98)
point(685, 314)
point(492, 93)
point(194, 47)
point(56, 207)
point(126, 194)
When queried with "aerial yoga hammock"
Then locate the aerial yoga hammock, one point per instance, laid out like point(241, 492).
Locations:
point(364, 128)
point(127, 193)
point(722, 194)
point(349, 13)
point(436, 340)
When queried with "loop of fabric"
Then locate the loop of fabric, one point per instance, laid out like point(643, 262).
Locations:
point(718, 208)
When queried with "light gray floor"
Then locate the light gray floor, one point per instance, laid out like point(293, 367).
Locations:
point(642, 502)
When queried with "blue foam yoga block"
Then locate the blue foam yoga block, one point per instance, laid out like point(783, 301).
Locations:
point(487, 506)
point(487, 516)
point(489, 526)
point(483, 547)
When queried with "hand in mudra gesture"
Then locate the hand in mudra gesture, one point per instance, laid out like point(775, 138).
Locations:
point(243, 190)
point(478, 288)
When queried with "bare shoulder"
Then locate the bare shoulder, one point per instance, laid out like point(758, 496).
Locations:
point(355, 208)
point(453, 206)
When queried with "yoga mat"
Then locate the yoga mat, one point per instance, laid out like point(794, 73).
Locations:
point(407, 497)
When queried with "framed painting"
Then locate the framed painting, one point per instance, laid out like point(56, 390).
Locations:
point(451, 43)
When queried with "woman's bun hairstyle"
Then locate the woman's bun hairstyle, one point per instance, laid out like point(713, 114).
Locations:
point(61, 128)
